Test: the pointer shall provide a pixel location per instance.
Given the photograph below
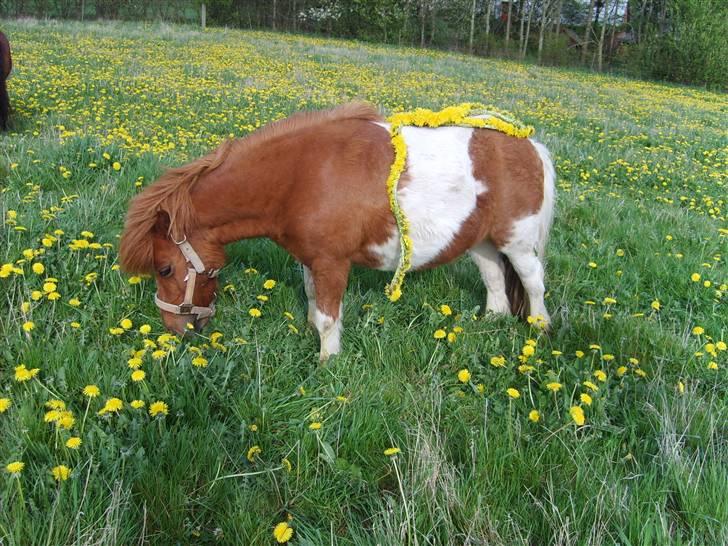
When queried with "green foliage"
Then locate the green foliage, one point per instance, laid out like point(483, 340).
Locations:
point(694, 49)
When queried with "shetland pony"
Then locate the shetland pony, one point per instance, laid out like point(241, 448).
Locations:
point(315, 184)
point(6, 65)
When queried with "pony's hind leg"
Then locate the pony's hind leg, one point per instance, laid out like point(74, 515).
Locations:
point(530, 270)
point(329, 279)
point(490, 264)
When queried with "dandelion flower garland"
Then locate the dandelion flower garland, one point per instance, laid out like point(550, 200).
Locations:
point(468, 114)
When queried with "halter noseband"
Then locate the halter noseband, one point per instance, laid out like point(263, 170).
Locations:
point(194, 267)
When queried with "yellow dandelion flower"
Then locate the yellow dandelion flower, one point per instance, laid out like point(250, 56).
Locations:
point(695, 277)
point(158, 408)
point(38, 268)
point(28, 326)
point(253, 452)
point(498, 361)
point(74, 302)
point(534, 416)
point(579, 354)
point(391, 451)
point(116, 166)
point(439, 334)
point(269, 284)
point(135, 362)
point(656, 305)
point(73, 443)
point(137, 404)
point(285, 463)
point(600, 375)
point(61, 472)
point(712, 365)
point(585, 399)
point(698, 331)
point(49, 287)
point(591, 386)
point(15, 468)
point(254, 312)
point(513, 393)
point(554, 386)
point(464, 375)
point(138, 375)
point(681, 387)
point(126, 324)
point(145, 329)
point(316, 425)
point(283, 532)
point(621, 371)
point(113, 405)
point(528, 350)
point(5, 403)
point(445, 310)
point(23, 374)
point(577, 414)
point(199, 362)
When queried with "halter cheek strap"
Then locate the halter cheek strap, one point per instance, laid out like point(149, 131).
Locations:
point(194, 267)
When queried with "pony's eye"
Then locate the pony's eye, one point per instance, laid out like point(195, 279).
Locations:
point(165, 271)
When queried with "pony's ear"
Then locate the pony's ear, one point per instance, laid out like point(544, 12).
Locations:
point(161, 225)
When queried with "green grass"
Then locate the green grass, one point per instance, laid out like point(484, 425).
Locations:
point(642, 182)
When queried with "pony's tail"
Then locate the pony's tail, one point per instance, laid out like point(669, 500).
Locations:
point(514, 290)
point(4, 103)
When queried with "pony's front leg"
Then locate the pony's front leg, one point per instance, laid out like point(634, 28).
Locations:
point(329, 280)
point(310, 289)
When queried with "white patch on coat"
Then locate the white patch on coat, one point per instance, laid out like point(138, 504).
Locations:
point(440, 194)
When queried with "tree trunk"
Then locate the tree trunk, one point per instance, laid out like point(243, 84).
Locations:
point(488, 6)
point(508, 25)
point(423, 18)
point(600, 53)
point(542, 29)
point(557, 17)
point(433, 14)
point(587, 32)
point(520, 26)
point(203, 15)
point(275, 6)
point(531, 7)
point(472, 28)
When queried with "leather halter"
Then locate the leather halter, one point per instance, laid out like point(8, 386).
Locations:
point(194, 267)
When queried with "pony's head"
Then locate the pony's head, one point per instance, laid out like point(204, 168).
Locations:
point(163, 236)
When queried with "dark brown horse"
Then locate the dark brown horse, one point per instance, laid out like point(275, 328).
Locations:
point(6, 65)
point(315, 183)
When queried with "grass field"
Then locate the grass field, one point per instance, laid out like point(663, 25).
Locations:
point(226, 436)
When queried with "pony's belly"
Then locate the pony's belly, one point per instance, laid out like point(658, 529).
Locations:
point(439, 195)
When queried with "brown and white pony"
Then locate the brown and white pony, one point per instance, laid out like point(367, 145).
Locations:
point(315, 184)
point(6, 65)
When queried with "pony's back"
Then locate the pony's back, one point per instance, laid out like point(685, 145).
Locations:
point(6, 65)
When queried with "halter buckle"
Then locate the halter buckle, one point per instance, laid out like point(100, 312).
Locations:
point(185, 308)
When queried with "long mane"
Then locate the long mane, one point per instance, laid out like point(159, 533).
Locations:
point(171, 193)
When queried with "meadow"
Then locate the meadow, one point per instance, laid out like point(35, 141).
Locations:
point(611, 429)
